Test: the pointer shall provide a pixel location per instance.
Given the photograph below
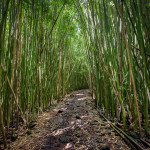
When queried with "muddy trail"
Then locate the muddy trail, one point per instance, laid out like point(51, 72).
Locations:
point(74, 124)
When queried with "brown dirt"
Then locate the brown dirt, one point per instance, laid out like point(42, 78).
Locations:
point(74, 124)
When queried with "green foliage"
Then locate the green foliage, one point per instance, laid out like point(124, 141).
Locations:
point(14, 137)
point(29, 132)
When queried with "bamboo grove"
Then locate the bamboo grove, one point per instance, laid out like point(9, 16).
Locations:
point(37, 57)
point(117, 42)
point(48, 48)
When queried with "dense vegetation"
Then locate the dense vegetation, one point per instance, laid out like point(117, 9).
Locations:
point(49, 48)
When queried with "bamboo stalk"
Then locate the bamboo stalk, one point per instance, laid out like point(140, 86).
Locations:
point(132, 79)
point(13, 93)
point(2, 126)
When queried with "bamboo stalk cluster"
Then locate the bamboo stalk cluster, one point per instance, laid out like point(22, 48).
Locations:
point(38, 60)
point(118, 47)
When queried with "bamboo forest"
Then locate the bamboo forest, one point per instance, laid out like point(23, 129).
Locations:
point(75, 74)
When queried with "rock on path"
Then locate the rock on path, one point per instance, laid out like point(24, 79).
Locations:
point(73, 125)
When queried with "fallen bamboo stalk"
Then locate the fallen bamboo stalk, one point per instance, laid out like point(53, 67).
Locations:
point(145, 142)
point(124, 138)
point(131, 139)
point(13, 93)
point(118, 130)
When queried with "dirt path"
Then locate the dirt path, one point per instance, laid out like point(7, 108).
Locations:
point(74, 125)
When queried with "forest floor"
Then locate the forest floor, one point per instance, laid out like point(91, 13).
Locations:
point(73, 124)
